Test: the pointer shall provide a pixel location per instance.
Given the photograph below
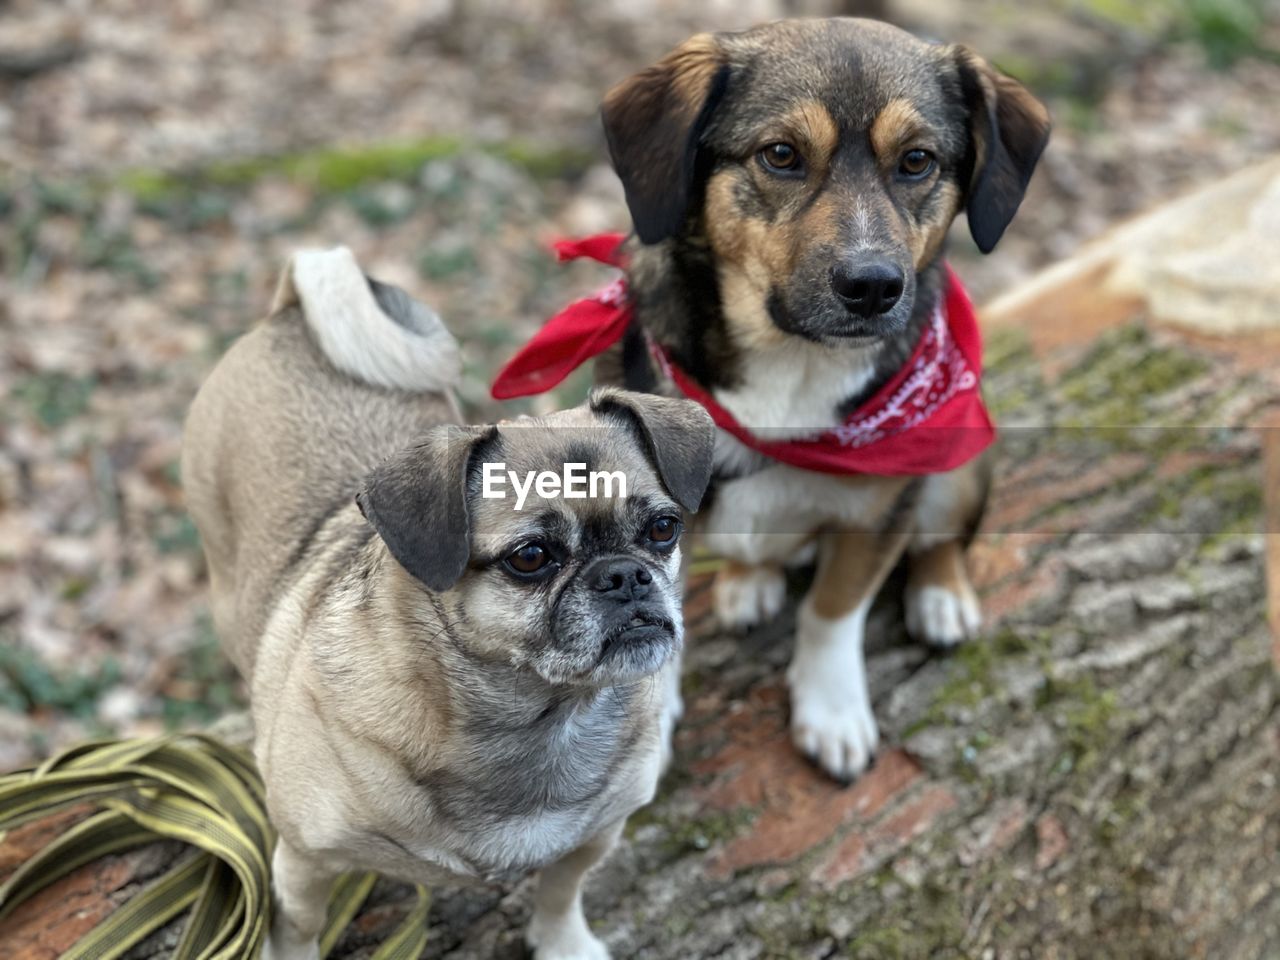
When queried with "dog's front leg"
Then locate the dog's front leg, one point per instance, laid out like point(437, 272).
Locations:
point(301, 887)
point(831, 717)
point(558, 928)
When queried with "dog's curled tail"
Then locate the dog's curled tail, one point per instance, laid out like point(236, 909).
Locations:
point(369, 330)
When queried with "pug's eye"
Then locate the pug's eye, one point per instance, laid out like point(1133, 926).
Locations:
point(528, 559)
point(664, 531)
point(915, 164)
point(781, 158)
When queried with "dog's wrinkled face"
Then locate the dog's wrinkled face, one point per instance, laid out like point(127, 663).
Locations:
point(581, 590)
point(823, 161)
point(587, 589)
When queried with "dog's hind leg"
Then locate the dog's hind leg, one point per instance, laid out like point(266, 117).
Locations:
point(751, 587)
point(558, 929)
point(301, 897)
point(942, 607)
point(745, 595)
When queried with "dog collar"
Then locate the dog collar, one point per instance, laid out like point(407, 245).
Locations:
point(928, 418)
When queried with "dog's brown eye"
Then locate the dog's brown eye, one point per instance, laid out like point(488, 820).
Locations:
point(915, 163)
point(781, 157)
point(664, 529)
point(530, 558)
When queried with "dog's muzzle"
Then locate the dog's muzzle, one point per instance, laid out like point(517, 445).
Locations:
point(629, 605)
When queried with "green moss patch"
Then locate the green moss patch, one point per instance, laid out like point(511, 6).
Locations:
point(341, 170)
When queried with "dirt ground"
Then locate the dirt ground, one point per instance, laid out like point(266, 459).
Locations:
point(159, 161)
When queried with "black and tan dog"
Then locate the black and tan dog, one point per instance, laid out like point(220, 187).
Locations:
point(792, 187)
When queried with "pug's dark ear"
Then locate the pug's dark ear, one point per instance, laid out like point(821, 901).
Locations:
point(417, 501)
point(679, 437)
point(1010, 129)
point(654, 122)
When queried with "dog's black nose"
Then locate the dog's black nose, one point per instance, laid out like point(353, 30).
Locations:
point(620, 579)
point(867, 289)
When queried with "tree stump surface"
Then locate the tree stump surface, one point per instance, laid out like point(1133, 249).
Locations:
point(1095, 777)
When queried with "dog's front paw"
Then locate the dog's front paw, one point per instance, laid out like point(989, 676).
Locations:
point(841, 737)
point(564, 938)
point(943, 616)
point(831, 718)
point(745, 596)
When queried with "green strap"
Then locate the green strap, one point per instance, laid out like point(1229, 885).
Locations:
point(213, 916)
point(349, 895)
point(184, 819)
point(142, 915)
point(98, 836)
point(22, 803)
point(191, 788)
point(410, 938)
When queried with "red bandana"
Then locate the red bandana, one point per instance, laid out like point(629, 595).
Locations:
point(929, 418)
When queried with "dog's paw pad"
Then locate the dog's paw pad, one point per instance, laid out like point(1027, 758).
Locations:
point(942, 616)
point(745, 597)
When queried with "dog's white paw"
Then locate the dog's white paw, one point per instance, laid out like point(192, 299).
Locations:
point(745, 596)
point(564, 938)
point(285, 947)
point(943, 616)
point(831, 717)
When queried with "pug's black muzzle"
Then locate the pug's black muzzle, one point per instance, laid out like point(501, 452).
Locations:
point(630, 613)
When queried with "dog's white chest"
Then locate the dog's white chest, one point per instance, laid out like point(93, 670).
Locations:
point(798, 390)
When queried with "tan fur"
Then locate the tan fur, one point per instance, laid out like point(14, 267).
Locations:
point(809, 127)
point(942, 566)
point(693, 64)
point(234, 450)
point(688, 69)
point(852, 563)
point(926, 237)
point(752, 255)
point(852, 568)
point(366, 687)
point(894, 131)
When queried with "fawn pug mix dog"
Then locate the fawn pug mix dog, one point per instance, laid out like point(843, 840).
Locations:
point(443, 687)
point(792, 187)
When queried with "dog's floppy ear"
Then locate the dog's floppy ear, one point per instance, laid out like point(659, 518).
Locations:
point(653, 122)
point(1010, 129)
point(417, 501)
point(679, 437)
